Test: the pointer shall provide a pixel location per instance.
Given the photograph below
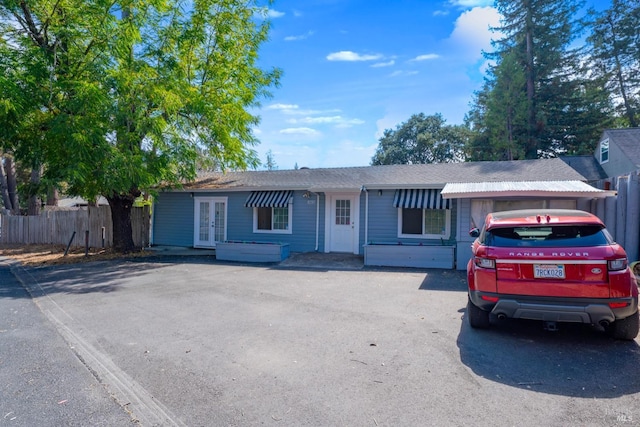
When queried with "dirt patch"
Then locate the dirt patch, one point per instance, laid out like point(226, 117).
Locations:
point(35, 255)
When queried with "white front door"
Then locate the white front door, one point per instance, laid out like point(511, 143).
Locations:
point(342, 227)
point(210, 221)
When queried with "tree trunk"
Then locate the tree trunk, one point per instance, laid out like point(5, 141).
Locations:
point(53, 196)
point(35, 203)
point(121, 205)
point(12, 185)
point(6, 201)
point(531, 149)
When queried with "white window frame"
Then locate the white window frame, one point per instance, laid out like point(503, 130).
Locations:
point(426, 236)
point(604, 147)
point(289, 229)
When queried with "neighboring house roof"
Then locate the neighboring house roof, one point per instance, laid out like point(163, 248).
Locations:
point(387, 176)
point(587, 166)
point(74, 202)
point(628, 140)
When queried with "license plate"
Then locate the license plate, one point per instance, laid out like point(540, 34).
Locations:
point(548, 271)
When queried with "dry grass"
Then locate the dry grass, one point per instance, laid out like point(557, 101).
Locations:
point(38, 255)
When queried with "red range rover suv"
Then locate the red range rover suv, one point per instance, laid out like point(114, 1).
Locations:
point(553, 265)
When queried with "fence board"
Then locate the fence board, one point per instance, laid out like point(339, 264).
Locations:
point(57, 227)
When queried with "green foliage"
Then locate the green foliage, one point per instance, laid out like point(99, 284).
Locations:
point(115, 98)
point(421, 139)
point(615, 57)
point(119, 96)
point(270, 163)
point(540, 100)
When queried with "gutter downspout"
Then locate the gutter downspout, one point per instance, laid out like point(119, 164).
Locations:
point(366, 214)
point(317, 221)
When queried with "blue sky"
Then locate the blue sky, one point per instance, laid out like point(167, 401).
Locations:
point(353, 68)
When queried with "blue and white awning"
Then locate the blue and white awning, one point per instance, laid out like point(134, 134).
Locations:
point(420, 199)
point(269, 199)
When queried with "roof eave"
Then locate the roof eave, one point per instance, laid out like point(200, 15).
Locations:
point(523, 193)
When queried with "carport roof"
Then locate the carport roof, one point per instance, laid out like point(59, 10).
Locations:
point(571, 189)
point(386, 176)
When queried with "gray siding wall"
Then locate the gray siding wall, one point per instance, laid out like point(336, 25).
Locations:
point(303, 236)
point(383, 221)
point(619, 163)
point(463, 246)
point(173, 219)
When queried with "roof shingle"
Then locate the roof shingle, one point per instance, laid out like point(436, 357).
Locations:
point(388, 176)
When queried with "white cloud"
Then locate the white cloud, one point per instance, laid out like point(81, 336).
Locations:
point(426, 57)
point(272, 13)
point(471, 33)
point(347, 55)
point(282, 107)
point(383, 64)
point(337, 120)
point(299, 131)
point(347, 123)
point(471, 3)
point(300, 37)
point(316, 120)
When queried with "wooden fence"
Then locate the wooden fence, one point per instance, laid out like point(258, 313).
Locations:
point(621, 213)
point(58, 227)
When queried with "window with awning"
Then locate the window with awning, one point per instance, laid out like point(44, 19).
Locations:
point(272, 211)
point(420, 199)
point(269, 199)
point(423, 214)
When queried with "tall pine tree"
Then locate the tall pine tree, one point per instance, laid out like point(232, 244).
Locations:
point(615, 55)
point(538, 99)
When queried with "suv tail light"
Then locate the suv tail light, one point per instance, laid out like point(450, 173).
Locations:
point(617, 264)
point(485, 262)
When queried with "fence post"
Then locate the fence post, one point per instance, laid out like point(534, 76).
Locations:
point(632, 226)
point(621, 213)
point(66, 251)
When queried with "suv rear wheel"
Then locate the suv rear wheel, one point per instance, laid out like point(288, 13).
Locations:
point(625, 329)
point(478, 318)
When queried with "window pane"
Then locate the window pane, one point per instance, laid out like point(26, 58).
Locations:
point(343, 212)
point(264, 218)
point(435, 221)
point(203, 226)
point(411, 221)
point(219, 222)
point(548, 236)
point(280, 218)
point(604, 151)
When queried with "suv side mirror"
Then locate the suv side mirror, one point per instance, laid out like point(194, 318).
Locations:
point(474, 232)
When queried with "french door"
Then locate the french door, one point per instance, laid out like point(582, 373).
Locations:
point(210, 221)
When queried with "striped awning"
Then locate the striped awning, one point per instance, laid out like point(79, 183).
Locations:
point(420, 199)
point(269, 199)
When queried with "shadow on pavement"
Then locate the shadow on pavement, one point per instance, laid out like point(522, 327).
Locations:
point(577, 360)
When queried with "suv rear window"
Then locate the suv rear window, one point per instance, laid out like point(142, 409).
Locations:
point(548, 236)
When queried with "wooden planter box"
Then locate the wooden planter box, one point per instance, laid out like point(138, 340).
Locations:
point(409, 255)
point(252, 251)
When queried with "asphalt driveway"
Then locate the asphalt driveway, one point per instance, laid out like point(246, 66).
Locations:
point(192, 341)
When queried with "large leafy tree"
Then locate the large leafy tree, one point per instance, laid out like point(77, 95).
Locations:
point(421, 139)
point(114, 98)
point(615, 56)
point(539, 100)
